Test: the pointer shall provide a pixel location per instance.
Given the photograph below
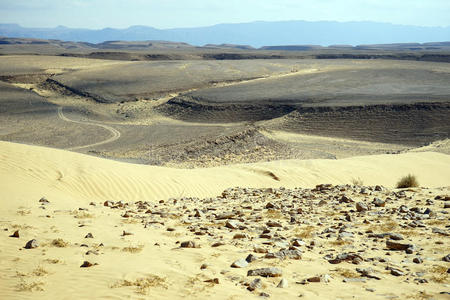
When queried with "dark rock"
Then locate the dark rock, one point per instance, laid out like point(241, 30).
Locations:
point(31, 244)
point(15, 234)
point(87, 264)
point(255, 284)
point(189, 244)
point(393, 245)
point(361, 207)
point(251, 258)
point(417, 260)
point(274, 224)
point(213, 280)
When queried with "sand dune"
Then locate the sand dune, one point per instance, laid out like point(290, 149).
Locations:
point(149, 263)
point(89, 178)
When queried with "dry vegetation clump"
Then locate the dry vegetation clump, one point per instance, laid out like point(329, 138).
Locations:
point(347, 273)
point(273, 214)
point(407, 181)
point(60, 243)
point(79, 214)
point(53, 261)
point(384, 226)
point(39, 271)
point(23, 212)
point(440, 274)
point(357, 181)
point(133, 249)
point(24, 286)
point(340, 242)
point(304, 233)
point(143, 284)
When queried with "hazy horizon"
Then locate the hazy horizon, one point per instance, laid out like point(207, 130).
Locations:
point(212, 25)
point(99, 14)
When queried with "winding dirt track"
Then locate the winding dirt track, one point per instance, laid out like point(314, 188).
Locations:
point(115, 133)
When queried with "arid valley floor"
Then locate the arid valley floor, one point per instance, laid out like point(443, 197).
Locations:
point(171, 172)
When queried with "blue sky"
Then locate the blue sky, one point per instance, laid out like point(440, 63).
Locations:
point(193, 13)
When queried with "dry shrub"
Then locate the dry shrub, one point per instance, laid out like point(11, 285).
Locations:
point(39, 271)
point(53, 261)
point(340, 242)
point(407, 181)
point(439, 274)
point(24, 286)
point(132, 249)
point(304, 233)
point(60, 243)
point(143, 284)
point(273, 214)
point(357, 181)
point(385, 225)
point(23, 212)
point(79, 214)
point(347, 273)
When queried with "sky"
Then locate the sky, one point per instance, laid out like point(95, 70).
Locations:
point(96, 14)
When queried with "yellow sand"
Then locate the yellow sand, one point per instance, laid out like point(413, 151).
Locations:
point(71, 180)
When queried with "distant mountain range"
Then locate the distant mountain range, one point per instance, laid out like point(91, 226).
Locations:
point(256, 34)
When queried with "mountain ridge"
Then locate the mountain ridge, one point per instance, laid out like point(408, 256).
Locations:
point(256, 34)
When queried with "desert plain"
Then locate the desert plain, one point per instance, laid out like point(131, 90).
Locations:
point(173, 172)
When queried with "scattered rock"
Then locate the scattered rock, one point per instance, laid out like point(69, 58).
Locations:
point(15, 234)
point(31, 244)
point(213, 280)
point(393, 245)
point(283, 254)
point(240, 263)
point(361, 207)
point(283, 283)
point(251, 258)
point(265, 272)
point(189, 244)
point(255, 284)
point(232, 224)
point(417, 260)
point(87, 264)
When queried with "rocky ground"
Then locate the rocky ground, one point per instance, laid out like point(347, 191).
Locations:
point(330, 241)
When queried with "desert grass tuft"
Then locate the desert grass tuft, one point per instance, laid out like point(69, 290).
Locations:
point(357, 181)
point(347, 273)
point(407, 181)
point(440, 274)
point(143, 284)
point(24, 286)
point(60, 243)
point(132, 249)
point(304, 232)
